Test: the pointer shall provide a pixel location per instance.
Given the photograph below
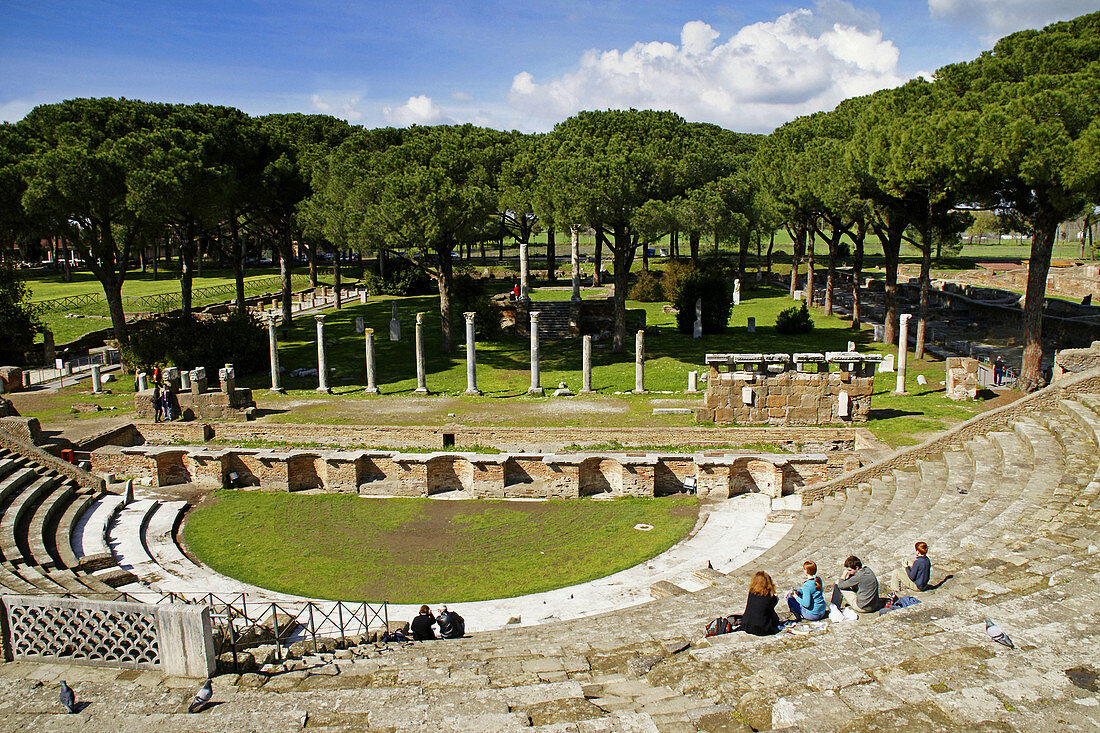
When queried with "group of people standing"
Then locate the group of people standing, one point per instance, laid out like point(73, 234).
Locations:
point(165, 405)
point(858, 588)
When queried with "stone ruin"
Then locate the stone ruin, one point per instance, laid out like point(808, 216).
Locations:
point(763, 388)
point(1073, 361)
point(963, 382)
point(225, 401)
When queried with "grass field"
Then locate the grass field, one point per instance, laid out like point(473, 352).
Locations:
point(426, 551)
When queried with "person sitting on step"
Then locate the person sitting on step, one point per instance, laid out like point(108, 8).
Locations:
point(915, 575)
point(760, 618)
point(422, 625)
point(451, 625)
point(808, 602)
point(858, 587)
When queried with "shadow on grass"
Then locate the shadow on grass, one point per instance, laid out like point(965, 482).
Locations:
point(885, 413)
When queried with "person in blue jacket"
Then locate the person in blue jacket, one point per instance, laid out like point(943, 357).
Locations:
point(808, 602)
point(915, 575)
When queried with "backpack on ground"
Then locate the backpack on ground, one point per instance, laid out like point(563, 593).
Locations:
point(718, 626)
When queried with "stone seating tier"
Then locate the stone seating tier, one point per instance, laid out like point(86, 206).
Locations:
point(1020, 546)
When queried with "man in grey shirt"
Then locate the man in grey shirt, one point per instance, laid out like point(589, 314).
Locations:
point(858, 588)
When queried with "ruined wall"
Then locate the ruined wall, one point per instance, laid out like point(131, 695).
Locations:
point(758, 388)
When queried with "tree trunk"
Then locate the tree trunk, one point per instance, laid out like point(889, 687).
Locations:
point(600, 239)
point(112, 289)
point(381, 265)
point(156, 253)
point(621, 257)
point(830, 275)
point(674, 244)
point(857, 275)
point(551, 255)
point(336, 275)
point(311, 253)
point(141, 258)
point(798, 246)
point(743, 254)
point(285, 273)
point(810, 268)
point(446, 278)
point(239, 251)
point(645, 256)
point(891, 249)
point(693, 242)
point(925, 287)
point(771, 246)
point(1042, 245)
point(187, 258)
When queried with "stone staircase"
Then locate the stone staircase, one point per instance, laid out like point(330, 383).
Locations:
point(1013, 520)
point(554, 319)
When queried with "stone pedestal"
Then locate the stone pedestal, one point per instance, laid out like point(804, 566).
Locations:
point(360, 325)
point(395, 324)
point(322, 358)
point(198, 380)
point(737, 292)
point(903, 348)
point(97, 380)
point(227, 376)
point(536, 383)
point(185, 381)
point(575, 257)
point(586, 364)
point(693, 382)
point(751, 325)
point(372, 371)
point(639, 363)
point(273, 355)
point(142, 381)
point(471, 356)
point(421, 378)
point(697, 331)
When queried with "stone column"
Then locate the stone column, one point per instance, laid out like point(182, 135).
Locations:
point(697, 330)
point(322, 361)
point(903, 347)
point(586, 364)
point(97, 380)
point(575, 256)
point(524, 294)
point(639, 363)
point(471, 356)
point(273, 353)
point(536, 386)
point(737, 291)
point(421, 381)
point(142, 381)
point(372, 371)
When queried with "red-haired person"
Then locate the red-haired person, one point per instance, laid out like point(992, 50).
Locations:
point(916, 573)
point(760, 617)
point(808, 602)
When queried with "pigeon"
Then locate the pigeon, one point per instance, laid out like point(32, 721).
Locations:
point(997, 634)
point(68, 697)
point(201, 697)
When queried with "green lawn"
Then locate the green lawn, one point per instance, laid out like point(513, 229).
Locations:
point(424, 551)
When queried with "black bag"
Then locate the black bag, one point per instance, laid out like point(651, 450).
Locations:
point(718, 626)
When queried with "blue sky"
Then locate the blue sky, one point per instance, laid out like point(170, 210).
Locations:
point(748, 65)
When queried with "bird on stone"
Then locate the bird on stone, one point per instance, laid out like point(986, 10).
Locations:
point(997, 634)
point(202, 696)
point(68, 697)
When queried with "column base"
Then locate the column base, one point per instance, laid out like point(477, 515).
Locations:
point(325, 390)
point(896, 393)
point(372, 390)
point(473, 392)
point(421, 390)
point(640, 391)
point(537, 391)
point(587, 391)
point(277, 390)
point(575, 299)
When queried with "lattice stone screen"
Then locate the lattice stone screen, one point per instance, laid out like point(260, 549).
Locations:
point(174, 638)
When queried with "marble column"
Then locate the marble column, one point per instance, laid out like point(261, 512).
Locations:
point(97, 380)
point(471, 356)
point(273, 354)
point(524, 286)
point(575, 256)
point(586, 364)
point(903, 348)
point(421, 380)
point(372, 369)
point(639, 363)
point(322, 360)
point(536, 385)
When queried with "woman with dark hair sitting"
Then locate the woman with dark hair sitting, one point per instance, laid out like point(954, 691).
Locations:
point(760, 617)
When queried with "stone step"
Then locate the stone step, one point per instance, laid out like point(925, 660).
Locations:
point(665, 589)
point(43, 524)
point(64, 534)
point(17, 515)
point(90, 534)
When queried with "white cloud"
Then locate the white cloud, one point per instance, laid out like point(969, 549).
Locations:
point(461, 96)
point(419, 110)
point(1001, 17)
point(763, 75)
point(345, 106)
point(15, 110)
